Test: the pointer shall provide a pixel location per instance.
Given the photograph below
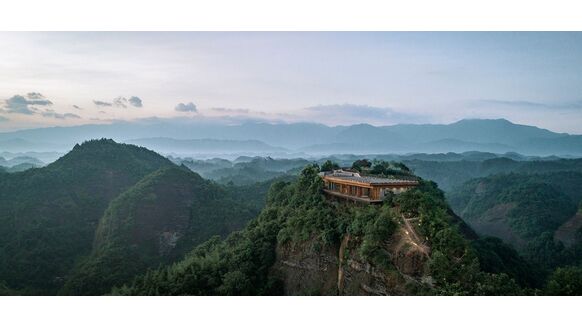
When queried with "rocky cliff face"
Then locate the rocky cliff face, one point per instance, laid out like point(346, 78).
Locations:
point(310, 268)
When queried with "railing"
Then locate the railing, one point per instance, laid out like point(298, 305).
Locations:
point(364, 199)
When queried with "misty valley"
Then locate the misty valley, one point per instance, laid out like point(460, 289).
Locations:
point(477, 207)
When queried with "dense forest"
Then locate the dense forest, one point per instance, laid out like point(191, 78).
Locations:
point(451, 174)
point(297, 212)
point(154, 222)
point(449, 170)
point(538, 214)
point(50, 217)
point(111, 218)
point(244, 170)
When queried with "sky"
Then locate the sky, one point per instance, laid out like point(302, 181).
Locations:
point(341, 78)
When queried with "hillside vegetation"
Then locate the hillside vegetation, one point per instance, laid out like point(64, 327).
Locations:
point(245, 170)
point(301, 242)
point(527, 211)
point(48, 215)
point(116, 218)
point(451, 174)
point(88, 210)
point(154, 222)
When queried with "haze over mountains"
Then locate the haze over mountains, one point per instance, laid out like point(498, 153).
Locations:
point(204, 139)
point(50, 216)
point(117, 218)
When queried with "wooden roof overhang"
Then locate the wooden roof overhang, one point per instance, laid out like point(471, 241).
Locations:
point(370, 184)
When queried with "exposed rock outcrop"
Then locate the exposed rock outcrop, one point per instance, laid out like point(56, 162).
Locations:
point(311, 268)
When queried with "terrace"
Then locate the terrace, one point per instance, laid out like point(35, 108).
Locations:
point(367, 189)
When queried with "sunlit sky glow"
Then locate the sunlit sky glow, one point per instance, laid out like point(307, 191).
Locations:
point(50, 79)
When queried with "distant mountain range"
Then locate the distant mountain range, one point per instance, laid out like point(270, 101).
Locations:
point(20, 160)
point(168, 135)
point(206, 146)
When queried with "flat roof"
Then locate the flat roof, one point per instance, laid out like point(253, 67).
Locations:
point(369, 179)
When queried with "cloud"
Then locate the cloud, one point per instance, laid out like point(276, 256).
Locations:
point(4, 119)
point(230, 110)
point(120, 102)
point(27, 105)
point(24, 104)
point(349, 113)
point(52, 114)
point(35, 95)
point(135, 101)
point(524, 104)
point(189, 107)
point(38, 101)
point(102, 103)
point(18, 104)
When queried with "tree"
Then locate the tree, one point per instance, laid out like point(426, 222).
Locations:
point(329, 166)
point(402, 167)
point(565, 281)
point(380, 167)
point(360, 164)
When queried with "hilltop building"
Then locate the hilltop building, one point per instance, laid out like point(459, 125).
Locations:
point(368, 189)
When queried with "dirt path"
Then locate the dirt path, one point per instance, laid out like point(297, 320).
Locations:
point(411, 237)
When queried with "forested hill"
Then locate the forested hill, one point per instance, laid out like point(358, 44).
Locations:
point(49, 216)
point(155, 222)
point(451, 174)
point(537, 213)
point(303, 243)
point(116, 218)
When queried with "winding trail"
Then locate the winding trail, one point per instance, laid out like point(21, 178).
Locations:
point(412, 237)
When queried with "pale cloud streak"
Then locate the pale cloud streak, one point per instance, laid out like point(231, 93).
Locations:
point(223, 110)
point(528, 105)
point(352, 113)
point(102, 103)
point(120, 102)
point(58, 116)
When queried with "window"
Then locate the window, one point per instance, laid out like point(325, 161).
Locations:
point(365, 192)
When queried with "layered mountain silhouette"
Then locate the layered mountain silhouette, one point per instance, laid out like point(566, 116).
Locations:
point(497, 136)
point(119, 218)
